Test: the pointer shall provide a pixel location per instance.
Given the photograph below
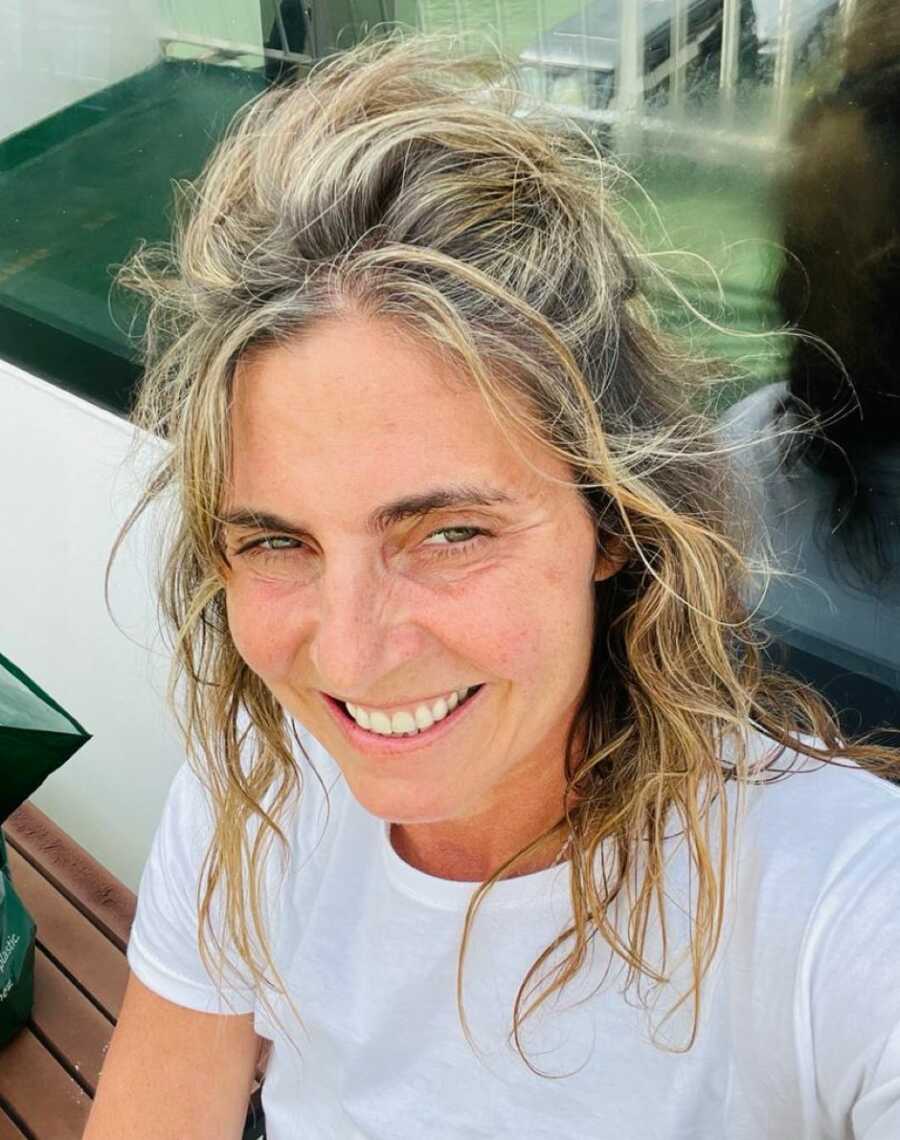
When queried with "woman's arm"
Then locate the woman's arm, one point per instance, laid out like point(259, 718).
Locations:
point(172, 1072)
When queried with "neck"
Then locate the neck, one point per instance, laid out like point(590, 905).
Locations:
point(471, 848)
point(446, 858)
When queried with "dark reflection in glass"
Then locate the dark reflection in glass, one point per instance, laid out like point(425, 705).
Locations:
point(285, 21)
point(824, 472)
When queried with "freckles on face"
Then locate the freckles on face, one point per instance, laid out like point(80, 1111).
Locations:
point(322, 598)
point(510, 620)
point(263, 623)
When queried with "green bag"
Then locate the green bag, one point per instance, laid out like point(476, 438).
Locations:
point(37, 736)
point(17, 931)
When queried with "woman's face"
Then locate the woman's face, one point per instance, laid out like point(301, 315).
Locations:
point(350, 589)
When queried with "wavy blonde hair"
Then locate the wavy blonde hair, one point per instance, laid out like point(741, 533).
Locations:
point(401, 180)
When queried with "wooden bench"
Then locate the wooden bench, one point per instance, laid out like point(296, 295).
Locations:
point(49, 1070)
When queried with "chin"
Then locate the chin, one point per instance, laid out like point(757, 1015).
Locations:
point(398, 801)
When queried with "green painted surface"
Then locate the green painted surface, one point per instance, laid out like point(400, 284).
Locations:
point(79, 189)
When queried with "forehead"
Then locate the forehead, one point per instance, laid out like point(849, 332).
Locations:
point(355, 413)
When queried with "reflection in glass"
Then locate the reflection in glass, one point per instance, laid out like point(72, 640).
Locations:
point(748, 125)
point(829, 499)
point(117, 102)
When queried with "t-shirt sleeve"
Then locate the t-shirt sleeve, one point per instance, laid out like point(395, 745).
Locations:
point(853, 982)
point(163, 946)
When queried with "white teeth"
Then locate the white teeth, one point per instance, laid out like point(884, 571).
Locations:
point(402, 722)
point(406, 722)
point(380, 722)
point(424, 719)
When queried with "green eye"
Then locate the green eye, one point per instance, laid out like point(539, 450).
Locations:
point(466, 530)
point(472, 538)
point(270, 545)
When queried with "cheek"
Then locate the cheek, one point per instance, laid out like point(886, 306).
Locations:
point(261, 635)
point(526, 627)
point(507, 640)
point(536, 628)
point(560, 634)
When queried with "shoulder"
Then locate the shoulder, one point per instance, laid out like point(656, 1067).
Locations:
point(808, 833)
point(163, 948)
point(815, 938)
point(188, 818)
point(828, 808)
point(815, 850)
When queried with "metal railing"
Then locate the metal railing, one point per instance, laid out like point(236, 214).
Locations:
point(628, 113)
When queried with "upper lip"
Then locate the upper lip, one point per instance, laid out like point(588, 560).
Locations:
point(396, 706)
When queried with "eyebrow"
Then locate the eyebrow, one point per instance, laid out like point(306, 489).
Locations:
point(400, 510)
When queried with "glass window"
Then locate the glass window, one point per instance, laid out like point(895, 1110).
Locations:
point(762, 140)
point(104, 105)
point(763, 137)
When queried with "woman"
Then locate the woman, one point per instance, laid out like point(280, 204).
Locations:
point(452, 560)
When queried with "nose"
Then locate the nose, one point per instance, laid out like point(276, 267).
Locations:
point(361, 630)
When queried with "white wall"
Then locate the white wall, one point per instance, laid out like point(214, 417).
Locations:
point(54, 52)
point(63, 493)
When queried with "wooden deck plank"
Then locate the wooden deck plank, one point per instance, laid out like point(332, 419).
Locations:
point(63, 931)
point(8, 1128)
point(40, 1092)
point(76, 874)
point(62, 1014)
point(84, 917)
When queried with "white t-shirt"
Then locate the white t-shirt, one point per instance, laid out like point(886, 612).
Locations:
point(799, 1034)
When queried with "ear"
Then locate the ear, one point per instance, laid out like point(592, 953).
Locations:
point(612, 554)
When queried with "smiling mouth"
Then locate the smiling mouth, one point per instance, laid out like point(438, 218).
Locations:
point(406, 724)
